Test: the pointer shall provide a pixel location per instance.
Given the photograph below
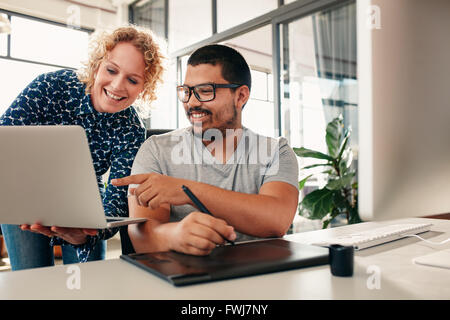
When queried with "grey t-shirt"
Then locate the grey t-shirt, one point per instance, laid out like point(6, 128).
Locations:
point(181, 154)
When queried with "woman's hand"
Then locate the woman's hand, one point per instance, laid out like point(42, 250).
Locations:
point(74, 236)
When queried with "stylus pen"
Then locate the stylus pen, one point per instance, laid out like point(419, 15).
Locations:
point(199, 205)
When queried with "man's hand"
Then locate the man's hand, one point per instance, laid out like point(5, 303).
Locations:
point(155, 189)
point(74, 236)
point(199, 233)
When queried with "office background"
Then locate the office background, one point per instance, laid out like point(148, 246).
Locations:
point(309, 45)
point(302, 56)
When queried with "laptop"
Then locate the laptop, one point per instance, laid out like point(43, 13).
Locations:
point(228, 261)
point(47, 176)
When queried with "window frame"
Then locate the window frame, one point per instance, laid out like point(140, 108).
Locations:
point(284, 14)
point(25, 16)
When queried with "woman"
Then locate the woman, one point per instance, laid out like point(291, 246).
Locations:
point(123, 66)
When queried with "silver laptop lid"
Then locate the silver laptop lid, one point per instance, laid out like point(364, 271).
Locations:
point(47, 176)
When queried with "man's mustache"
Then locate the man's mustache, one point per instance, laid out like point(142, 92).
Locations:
point(197, 109)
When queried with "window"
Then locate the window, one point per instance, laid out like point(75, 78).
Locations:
point(319, 79)
point(316, 67)
point(3, 45)
point(262, 86)
point(163, 109)
point(182, 119)
point(48, 43)
point(15, 77)
point(36, 47)
point(3, 36)
point(189, 22)
point(231, 13)
point(258, 113)
point(150, 14)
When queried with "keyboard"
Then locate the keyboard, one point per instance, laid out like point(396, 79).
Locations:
point(376, 236)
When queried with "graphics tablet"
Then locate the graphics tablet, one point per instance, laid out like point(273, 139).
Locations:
point(226, 262)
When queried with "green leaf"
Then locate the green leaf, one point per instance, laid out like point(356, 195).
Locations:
point(330, 172)
point(340, 195)
point(302, 182)
point(340, 202)
point(344, 143)
point(341, 182)
point(319, 203)
point(308, 153)
point(318, 165)
point(334, 213)
point(354, 215)
point(346, 161)
point(333, 136)
point(303, 211)
point(326, 223)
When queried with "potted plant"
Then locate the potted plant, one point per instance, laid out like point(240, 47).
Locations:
point(340, 194)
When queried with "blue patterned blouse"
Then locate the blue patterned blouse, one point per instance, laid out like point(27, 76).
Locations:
point(59, 98)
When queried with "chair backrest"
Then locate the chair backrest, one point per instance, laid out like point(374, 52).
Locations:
point(151, 132)
point(127, 246)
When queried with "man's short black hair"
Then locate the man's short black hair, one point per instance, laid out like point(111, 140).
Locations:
point(234, 67)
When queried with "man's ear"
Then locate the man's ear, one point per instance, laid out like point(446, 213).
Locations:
point(242, 96)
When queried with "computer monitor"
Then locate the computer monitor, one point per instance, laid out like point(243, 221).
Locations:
point(404, 108)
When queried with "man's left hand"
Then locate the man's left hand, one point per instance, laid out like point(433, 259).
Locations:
point(155, 189)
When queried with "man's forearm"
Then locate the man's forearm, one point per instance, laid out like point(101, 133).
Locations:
point(262, 215)
point(150, 236)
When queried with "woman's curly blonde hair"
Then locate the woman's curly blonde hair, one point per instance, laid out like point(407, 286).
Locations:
point(143, 39)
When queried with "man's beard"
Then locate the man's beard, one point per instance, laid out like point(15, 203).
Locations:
point(229, 124)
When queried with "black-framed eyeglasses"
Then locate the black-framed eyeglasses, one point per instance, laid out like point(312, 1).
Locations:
point(203, 92)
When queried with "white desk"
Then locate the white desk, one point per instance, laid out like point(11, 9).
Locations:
point(117, 279)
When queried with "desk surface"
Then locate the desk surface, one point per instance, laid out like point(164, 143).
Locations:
point(399, 277)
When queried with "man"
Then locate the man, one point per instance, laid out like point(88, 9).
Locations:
point(251, 194)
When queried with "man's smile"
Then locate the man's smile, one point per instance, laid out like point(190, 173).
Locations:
point(198, 114)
